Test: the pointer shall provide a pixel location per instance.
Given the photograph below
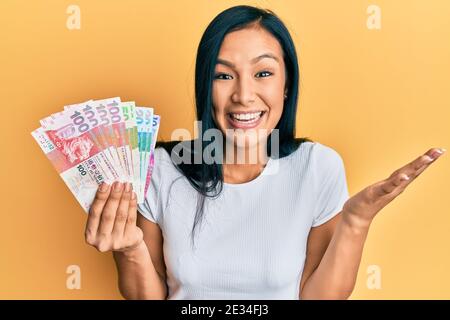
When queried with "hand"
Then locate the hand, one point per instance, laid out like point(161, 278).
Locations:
point(360, 209)
point(111, 224)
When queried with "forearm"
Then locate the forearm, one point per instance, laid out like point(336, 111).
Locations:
point(335, 276)
point(138, 278)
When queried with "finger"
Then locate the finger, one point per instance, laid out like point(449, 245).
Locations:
point(427, 158)
point(122, 213)
point(403, 177)
point(420, 164)
point(419, 171)
point(110, 209)
point(401, 180)
point(389, 185)
point(132, 213)
point(96, 209)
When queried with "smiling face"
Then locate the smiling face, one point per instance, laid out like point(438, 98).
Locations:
point(249, 85)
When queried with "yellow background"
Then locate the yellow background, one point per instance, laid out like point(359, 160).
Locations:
point(378, 97)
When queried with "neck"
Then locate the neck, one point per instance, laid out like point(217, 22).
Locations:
point(244, 164)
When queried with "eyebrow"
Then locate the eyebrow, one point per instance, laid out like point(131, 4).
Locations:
point(253, 61)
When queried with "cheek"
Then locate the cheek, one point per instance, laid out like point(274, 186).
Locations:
point(274, 98)
point(219, 103)
point(217, 98)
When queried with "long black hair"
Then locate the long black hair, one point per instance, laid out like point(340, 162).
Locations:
point(207, 179)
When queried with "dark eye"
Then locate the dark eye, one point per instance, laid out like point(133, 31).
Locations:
point(264, 73)
point(221, 76)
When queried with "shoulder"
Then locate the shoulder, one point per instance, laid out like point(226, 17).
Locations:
point(161, 154)
point(325, 155)
point(317, 152)
point(327, 164)
point(163, 158)
point(322, 160)
point(164, 167)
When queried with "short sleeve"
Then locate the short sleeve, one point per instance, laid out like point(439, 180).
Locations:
point(331, 184)
point(151, 208)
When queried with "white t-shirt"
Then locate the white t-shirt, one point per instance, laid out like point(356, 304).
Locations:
point(252, 240)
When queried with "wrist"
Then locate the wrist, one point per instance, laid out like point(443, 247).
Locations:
point(133, 249)
point(355, 222)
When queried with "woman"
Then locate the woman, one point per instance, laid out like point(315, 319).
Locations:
point(281, 227)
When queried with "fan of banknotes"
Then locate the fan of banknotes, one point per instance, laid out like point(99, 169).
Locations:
point(100, 141)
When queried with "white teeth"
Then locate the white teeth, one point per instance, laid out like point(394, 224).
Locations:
point(246, 116)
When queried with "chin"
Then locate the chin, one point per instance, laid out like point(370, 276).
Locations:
point(248, 138)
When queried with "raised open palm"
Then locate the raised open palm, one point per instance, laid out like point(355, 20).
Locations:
point(361, 208)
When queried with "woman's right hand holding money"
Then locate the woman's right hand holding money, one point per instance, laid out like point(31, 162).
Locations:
point(111, 224)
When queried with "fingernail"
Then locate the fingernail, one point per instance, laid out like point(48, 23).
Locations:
point(404, 178)
point(103, 187)
point(127, 187)
point(117, 186)
point(437, 153)
point(133, 195)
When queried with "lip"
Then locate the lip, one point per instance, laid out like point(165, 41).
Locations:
point(245, 112)
point(241, 125)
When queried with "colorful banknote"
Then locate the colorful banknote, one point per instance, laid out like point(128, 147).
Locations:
point(100, 141)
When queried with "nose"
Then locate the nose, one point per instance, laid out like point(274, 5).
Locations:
point(244, 93)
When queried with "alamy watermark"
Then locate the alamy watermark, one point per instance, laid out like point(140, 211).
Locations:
point(373, 281)
point(73, 21)
point(73, 281)
point(234, 146)
point(374, 19)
